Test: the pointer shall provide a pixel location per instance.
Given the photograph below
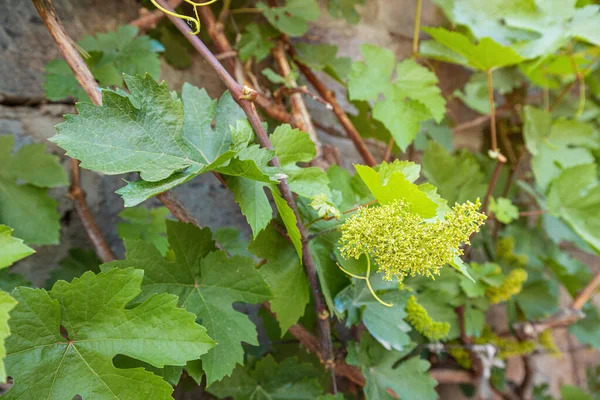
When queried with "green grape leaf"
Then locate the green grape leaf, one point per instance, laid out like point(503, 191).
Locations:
point(207, 282)
point(77, 328)
point(284, 274)
point(292, 18)
point(112, 54)
point(345, 9)
point(271, 380)
point(385, 324)
point(409, 380)
point(504, 210)
point(153, 133)
point(124, 52)
point(411, 97)
point(256, 42)
point(24, 202)
point(7, 303)
point(13, 248)
point(323, 57)
point(485, 55)
point(353, 191)
point(488, 18)
point(277, 79)
point(458, 178)
point(293, 146)
point(587, 330)
point(556, 25)
point(394, 186)
point(575, 197)
point(556, 145)
point(331, 278)
point(169, 373)
point(177, 49)
point(74, 265)
point(145, 224)
point(570, 272)
point(569, 392)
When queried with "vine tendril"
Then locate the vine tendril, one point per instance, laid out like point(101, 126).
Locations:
point(366, 279)
point(190, 20)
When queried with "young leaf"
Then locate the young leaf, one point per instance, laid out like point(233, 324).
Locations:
point(7, 303)
point(289, 220)
point(411, 97)
point(13, 248)
point(292, 18)
point(253, 202)
point(24, 202)
point(485, 55)
point(270, 380)
point(504, 210)
point(285, 275)
point(393, 186)
point(207, 283)
point(77, 328)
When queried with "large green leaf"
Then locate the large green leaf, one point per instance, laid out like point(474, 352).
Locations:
point(485, 55)
point(207, 283)
point(13, 248)
point(287, 380)
point(63, 341)
point(285, 275)
point(411, 96)
point(575, 197)
point(24, 202)
point(168, 142)
point(293, 17)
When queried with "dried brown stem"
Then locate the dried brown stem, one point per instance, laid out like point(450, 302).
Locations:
point(339, 112)
point(149, 20)
point(176, 208)
point(240, 95)
point(493, 182)
point(65, 45)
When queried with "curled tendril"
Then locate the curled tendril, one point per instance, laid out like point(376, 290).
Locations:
point(190, 20)
point(366, 279)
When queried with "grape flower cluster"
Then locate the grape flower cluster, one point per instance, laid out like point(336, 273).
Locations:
point(403, 243)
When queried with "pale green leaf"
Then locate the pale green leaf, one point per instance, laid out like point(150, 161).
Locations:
point(7, 303)
point(504, 210)
point(207, 283)
point(256, 42)
point(91, 313)
point(387, 189)
point(253, 202)
point(485, 55)
point(289, 220)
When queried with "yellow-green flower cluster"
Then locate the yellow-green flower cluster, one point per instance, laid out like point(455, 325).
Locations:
point(462, 356)
point(418, 317)
point(546, 340)
point(402, 243)
point(511, 286)
point(505, 251)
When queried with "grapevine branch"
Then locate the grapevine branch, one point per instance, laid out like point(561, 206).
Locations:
point(65, 45)
point(240, 94)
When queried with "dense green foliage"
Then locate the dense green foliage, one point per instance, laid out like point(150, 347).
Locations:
point(402, 263)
